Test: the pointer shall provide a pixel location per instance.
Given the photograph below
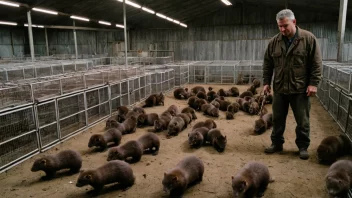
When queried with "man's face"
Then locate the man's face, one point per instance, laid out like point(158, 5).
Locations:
point(287, 26)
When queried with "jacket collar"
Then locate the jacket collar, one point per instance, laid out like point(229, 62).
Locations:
point(298, 30)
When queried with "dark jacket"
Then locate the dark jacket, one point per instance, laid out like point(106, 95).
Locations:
point(295, 69)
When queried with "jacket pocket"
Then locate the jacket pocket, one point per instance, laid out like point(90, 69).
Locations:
point(299, 57)
point(277, 57)
point(299, 76)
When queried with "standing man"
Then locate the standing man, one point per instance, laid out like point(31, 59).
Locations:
point(294, 56)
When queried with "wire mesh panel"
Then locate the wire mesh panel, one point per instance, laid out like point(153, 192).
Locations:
point(344, 80)
point(199, 74)
point(18, 148)
point(349, 121)
point(256, 71)
point(94, 79)
point(326, 99)
point(46, 89)
point(15, 96)
point(116, 102)
point(227, 74)
point(72, 113)
point(43, 71)
point(29, 72)
point(213, 73)
point(131, 90)
point(334, 93)
point(15, 74)
point(113, 75)
point(81, 66)
point(243, 72)
point(57, 69)
point(69, 67)
point(47, 123)
point(115, 90)
point(72, 84)
point(343, 111)
point(16, 123)
point(124, 87)
point(92, 98)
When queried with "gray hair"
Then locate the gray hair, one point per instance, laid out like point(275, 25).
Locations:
point(285, 13)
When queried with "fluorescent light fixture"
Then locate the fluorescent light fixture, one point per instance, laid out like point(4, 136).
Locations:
point(161, 16)
point(40, 26)
point(169, 19)
point(226, 2)
point(177, 22)
point(9, 4)
point(104, 23)
point(7, 23)
point(45, 11)
point(148, 10)
point(182, 24)
point(131, 3)
point(26, 25)
point(79, 18)
point(120, 26)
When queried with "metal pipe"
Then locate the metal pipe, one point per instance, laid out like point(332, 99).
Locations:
point(31, 44)
point(124, 30)
point(341, 29)
point(46, 43)
point(75, 38)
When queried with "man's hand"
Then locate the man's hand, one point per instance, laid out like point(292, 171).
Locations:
point(266, 89)
point(311, 90)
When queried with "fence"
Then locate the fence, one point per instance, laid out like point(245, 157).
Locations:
point(38, 126)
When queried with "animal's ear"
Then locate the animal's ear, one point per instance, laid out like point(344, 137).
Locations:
point(88, 177)
point(175, 178)
point(43, 161)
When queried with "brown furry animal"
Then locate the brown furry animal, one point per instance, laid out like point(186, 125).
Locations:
point(234, 92)
point(256, 83)
point(130, 152)
point(222, 92)
point(181, 93)
point(198, 104)
point(269, 99)
point(201, 95)
point(109, 122)
point(67, 159)
point(339, 178)
point(246, 93)
point(139, 110)
point(211, 95)
point(163, 122)
point(101, 141)
point(192, 101)
point(230, 115)
point(251, 180)
point(263, 112)
point(263, 123)
point(128, 126)
point(197, 89)
point(333, 147)
point(173, 110)
point(133, 114)
point(209, 109)
point(253, 108)
point(223, 104)
point(150, 143)
point(187, 117)
point(111, 172)
point(209, 123)
point(252, 89)
point(191, 111)
point(147, 119)
point(215, 104)
point(188, 171)
point(121, 113)
point(216, 139)
point(197, 137)
point(176, 125)
point(233, 107)
point(154, 100)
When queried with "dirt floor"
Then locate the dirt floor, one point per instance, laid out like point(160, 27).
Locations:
point(293, 177)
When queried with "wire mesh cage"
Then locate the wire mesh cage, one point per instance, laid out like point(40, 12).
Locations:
point(124, 100)
point(115, 90)
point(344, 80)
point(334, 93)
point(18, 148)
point(343, 110)
point(43, 71)
point(15, 96)
point(349, 120)
point(29, 72)
point(94, 79)
point(131, 91)
point(213, 72)
point(81, 66)
point(116, 102)
point(57, 69)
point(46, 89)
point(72, 84)
point(72, 124)
point(69, 67)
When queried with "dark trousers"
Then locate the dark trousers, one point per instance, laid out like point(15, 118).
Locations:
point(300, 105)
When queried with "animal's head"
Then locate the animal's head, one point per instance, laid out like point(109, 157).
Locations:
point(40, 164)
point(95, 140)
point(239, 186)
point(84, 178)
point(115, 154)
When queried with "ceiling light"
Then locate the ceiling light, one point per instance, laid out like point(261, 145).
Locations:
point(45, 11)
point(120, 26)
point(131, 3)
point(161, 16)
point(177, 22)
point(226, 2)
point(26, 25)
point(104, 23)
point(184, 25)
point(169, 19)
point(9, 4)
point(79, 18)
point(7, 23)
point(40, 26)
point(148, 10)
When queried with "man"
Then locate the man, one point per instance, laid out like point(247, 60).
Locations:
point(294, 57)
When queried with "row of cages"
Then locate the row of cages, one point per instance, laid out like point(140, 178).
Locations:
point(31, 92)
point(338, 103)
point(225, 72)
point(339, 74)
point(29, 130)
point(145, 61)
